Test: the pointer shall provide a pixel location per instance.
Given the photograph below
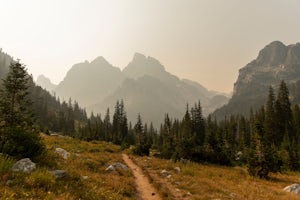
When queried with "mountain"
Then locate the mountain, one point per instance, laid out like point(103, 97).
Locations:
point(144, 85)
point(152, 91)
point(89, 83)
point(274, 63)
point(5, 61)
point(45, 83)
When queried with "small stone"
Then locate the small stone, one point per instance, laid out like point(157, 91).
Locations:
point(169, 176)
point(63, 153)
point(58, 173)
point(24, 165)
point(121, 166)
point(85, 177)
point(110, 168)
point(177, 169)
point(165, 173)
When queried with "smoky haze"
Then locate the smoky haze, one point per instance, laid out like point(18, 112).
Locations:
point(202, 40)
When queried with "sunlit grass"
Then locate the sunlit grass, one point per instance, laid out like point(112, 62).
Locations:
point(86, 176)
point(217, 182)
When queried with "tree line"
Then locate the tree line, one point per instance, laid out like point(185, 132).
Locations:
point(266, 141)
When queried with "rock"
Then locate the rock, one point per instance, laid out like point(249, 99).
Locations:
point(24, 165)
point(110, 168)
point(295, 188)
point(165, 173)
point(177, 169)
point(117, 165)
point(169, 176)
point(58, 173)
point(121, 166)
point(63, 153)
point(85, 177)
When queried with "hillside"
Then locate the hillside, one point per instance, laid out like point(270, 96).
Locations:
point(144, 85)
point(274, 63)
point(5, 61)
point(84, 177)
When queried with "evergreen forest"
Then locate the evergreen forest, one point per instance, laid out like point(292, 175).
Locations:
point(265, 141)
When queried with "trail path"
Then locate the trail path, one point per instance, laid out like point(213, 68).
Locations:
point(145, 189)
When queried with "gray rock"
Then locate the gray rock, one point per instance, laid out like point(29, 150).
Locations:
point(110, 168)
point(117, 165)
point(24, 165)
point(165, 173)
point(295, 188)
point(63, 153)
point(58, 173)
point(121, 166)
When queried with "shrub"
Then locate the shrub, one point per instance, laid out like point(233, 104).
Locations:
point(21, 143)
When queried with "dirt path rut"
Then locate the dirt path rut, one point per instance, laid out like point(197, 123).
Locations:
point(145, 189)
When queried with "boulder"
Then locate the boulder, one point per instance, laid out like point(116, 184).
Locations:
point(24, 165)
point(295, 188)
point(117, 165)
point(121, 166)
point(63, 153)
point(58, 173)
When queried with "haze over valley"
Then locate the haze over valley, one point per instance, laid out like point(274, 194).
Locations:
point(144, 85)
point(150, 99)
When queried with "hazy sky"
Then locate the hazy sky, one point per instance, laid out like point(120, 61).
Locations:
point(203, 40)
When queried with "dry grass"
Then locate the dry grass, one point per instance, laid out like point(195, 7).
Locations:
point(87, 159)
point(216, 182)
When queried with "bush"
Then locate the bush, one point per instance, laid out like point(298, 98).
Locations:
point(21, 143)
point(141, 150)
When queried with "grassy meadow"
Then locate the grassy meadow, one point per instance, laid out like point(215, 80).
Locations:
point(86, 179)
point(201, 181)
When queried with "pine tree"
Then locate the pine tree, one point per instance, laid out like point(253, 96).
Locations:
point(142, 147)
point(18, 137)
point(283, 112)
point(270, 118)
point(107, 126)
point(14, 102)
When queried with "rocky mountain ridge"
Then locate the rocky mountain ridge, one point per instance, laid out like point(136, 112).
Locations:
point(144, 85)
point(274, 63)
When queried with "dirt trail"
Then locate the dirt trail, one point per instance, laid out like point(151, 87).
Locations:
point(145, 189)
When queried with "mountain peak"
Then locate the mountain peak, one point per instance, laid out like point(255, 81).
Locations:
point(273, 54)
point(45, 83)
point(138, 57)
point(100, 60)
point(142, 65)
